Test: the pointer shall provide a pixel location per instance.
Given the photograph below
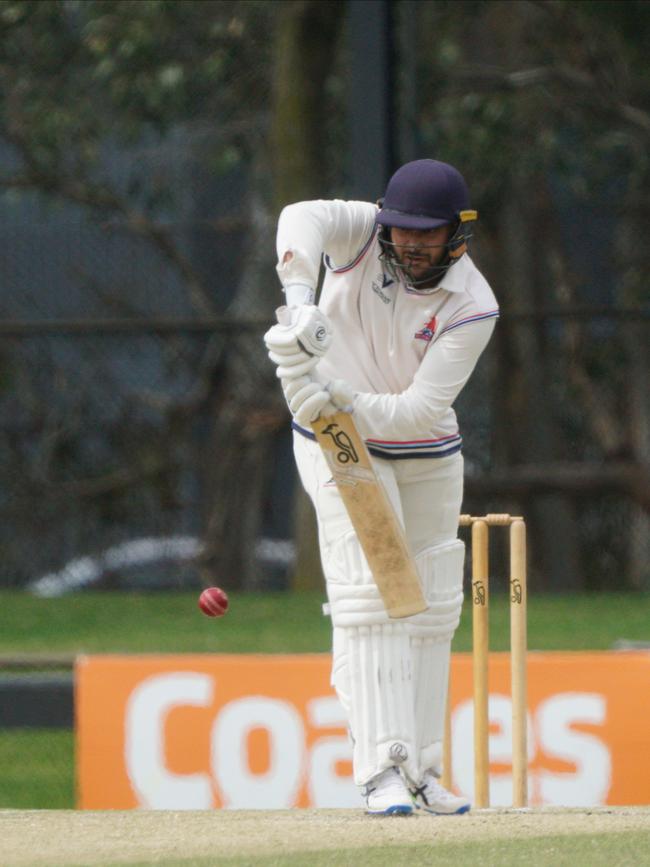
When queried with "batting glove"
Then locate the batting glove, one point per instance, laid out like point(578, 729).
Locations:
point(306, 399)
point(302, 336)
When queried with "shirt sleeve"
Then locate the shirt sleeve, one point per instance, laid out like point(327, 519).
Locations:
point(306, 230)
point(445, 368)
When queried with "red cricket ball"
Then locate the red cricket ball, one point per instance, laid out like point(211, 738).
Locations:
point(213, 602)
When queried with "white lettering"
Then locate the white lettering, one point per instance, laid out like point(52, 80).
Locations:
point(589, 783)
point(157, 787)
point(278, 787)
point(326, 787)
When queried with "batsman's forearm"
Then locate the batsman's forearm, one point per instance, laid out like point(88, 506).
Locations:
point(444, 371)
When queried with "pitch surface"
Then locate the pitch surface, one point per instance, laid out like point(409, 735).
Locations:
point(72, 838)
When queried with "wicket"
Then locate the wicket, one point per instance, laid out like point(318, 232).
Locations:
point(480, 655)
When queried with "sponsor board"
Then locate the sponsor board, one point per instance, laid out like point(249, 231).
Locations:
point(253, 731)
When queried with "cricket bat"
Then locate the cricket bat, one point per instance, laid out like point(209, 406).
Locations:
point(373, 517)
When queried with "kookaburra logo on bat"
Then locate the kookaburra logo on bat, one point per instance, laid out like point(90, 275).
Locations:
point(346, 450)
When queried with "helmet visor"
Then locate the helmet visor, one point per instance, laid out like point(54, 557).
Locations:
point(401, 220)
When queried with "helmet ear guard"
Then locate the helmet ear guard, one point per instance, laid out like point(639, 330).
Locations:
point(457, 244)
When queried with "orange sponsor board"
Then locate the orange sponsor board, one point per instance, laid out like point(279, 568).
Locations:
point(588, 728)
point(196, 732)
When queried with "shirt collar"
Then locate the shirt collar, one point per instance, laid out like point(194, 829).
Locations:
point(455, 278)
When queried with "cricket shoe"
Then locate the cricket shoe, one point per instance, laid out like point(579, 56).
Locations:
point(431, 797)
point(387, 795)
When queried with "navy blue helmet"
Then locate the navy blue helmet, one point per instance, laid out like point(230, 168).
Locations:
point(423, 195)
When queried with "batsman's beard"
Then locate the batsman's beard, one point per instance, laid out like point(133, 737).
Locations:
point(420, 268)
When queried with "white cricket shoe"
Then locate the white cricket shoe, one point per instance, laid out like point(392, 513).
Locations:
point(434, 798)
point(387, 795)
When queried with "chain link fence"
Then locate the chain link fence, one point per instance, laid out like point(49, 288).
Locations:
point(106, 443)
point(107, 439)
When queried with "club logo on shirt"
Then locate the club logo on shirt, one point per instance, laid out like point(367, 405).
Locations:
point(427, 332)
point(378, 286)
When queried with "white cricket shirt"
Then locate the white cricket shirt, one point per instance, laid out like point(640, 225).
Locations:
point(406, 353)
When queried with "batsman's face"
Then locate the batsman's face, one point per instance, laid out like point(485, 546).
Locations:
point(420, 249)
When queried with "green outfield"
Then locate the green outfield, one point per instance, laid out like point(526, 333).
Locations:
point(596, 850)
point(94, 622)
point(37, 769)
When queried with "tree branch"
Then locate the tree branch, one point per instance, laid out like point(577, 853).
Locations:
point(489, 78)
point(577, 479)
point(101, 199)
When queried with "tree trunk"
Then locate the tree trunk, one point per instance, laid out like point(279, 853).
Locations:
point(526, 427)
point(244, 431)
point(239, 457)
point(631, 292)
point(639, 401)
point(305, 46)
point(304, 49)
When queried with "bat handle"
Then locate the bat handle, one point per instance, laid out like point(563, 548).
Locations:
point(283, 315)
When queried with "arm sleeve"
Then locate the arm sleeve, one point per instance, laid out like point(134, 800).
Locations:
point(306, 230)
point(445, 368)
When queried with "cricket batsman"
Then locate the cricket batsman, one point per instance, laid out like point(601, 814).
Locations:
point(403, 316)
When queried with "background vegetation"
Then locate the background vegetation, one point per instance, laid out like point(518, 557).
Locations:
point(146, 150)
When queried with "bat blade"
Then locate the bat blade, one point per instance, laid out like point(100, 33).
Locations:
point(374, 520)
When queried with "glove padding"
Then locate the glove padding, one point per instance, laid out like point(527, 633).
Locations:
point(293, 363)
point(300, 329)
point(308, 399)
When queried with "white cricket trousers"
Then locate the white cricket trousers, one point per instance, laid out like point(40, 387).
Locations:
point(426, 494)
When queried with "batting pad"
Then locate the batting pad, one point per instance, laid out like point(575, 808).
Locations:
point(441, 570)
point(431, 676)
point(391, 676)
point(373, 676)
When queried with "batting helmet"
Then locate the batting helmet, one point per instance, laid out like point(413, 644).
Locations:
point(423, 195)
